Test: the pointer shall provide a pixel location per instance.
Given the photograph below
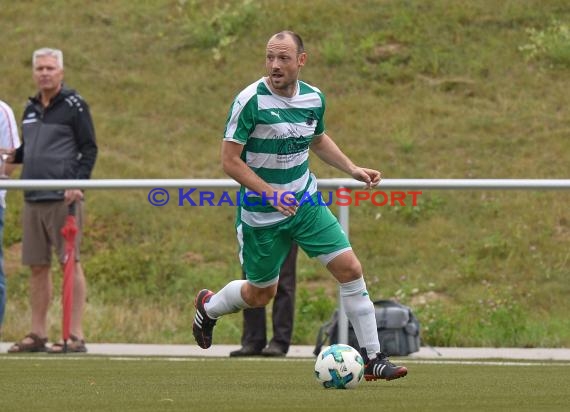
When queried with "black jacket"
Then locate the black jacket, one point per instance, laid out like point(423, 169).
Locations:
point(58, 142)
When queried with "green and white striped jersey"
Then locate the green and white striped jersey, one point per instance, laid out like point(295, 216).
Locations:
point(276, 132)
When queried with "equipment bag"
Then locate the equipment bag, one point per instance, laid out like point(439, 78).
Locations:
point(398, 330)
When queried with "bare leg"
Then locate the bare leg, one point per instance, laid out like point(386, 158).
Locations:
point(41, 291)
point(345, 267)
point(79, 298)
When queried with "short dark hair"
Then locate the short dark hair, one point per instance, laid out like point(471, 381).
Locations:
point(296, 38)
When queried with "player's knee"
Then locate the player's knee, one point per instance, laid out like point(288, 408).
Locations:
point(258, 298)
point(354, 270)
point(346, 269)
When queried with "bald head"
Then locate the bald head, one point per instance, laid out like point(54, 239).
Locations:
point(287, 34)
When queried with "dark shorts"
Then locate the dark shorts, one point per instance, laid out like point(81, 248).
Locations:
point(42, 223)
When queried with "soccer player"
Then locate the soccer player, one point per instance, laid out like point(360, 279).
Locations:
point(270, 128)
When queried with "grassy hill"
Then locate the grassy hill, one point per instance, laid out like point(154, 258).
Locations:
point(417, 89)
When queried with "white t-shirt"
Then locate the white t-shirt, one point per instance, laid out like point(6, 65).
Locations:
point(9, 138)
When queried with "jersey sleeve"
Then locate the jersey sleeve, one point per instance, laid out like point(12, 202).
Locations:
point(85, 137)
point(241, 120)
point(320, 129)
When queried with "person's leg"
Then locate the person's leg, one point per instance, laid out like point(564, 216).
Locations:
point(357, 304)
point(41, 292)
point(320, 235)
point(36, 253)
point(254, 335)
point(360, 312)
point(284, 306)
point(76, 341)
point(78, 304)
point(236, 295)
point(262, 253)
point(254, 328)
point(2, 276)
point(79, 280)
point(40, 298)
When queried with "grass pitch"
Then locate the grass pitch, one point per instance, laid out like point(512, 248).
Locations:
point(89, 383)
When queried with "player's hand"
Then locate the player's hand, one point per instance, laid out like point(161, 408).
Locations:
point(369, 176)
point(8, 154)
point(286, 203)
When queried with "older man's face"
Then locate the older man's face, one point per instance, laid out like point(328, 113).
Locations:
point(47, 74)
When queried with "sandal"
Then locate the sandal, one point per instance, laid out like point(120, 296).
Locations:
point(36, 345)
point(75, 345)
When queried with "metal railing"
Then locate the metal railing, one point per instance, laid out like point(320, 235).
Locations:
point(452, 184)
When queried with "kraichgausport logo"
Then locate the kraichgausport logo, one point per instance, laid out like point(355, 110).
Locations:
point(340, 197)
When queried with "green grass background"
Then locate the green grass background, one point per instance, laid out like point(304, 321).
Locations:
point(185, 384)
point(417, 89)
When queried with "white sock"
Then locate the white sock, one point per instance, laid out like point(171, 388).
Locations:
point(227, 300)
point(361, 314)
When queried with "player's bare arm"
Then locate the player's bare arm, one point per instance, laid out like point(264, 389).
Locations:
point(327, 150)
point(235, 167)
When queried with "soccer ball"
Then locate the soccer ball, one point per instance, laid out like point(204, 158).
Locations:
point(339, 366)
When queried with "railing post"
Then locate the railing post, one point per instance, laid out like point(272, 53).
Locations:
point(342, 319)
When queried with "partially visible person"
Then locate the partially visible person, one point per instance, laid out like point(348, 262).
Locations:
point(58, 142)
point(271, 126)
point(9, 139)
point(254, 337)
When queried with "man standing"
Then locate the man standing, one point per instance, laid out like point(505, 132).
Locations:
point(58, 142)
point(9, 140)
point(271, 126)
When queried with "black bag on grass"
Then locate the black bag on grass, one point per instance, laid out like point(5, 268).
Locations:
point(398, 330)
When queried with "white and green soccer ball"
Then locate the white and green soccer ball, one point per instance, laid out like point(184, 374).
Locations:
point(339, 366)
